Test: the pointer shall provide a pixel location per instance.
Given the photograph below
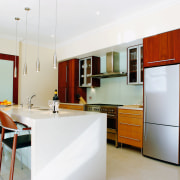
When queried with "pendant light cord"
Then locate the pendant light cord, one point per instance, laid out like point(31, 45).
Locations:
point(16, 40)
point(38, 30)
point(26, 36)
point(55, 26)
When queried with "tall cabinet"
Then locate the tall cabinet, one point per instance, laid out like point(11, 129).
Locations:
point(68, 82)
point(135, 64)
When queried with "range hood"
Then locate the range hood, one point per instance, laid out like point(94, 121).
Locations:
point(112, 67)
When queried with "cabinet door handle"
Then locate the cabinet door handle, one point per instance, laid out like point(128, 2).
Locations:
point(130, 124)
point(161, 60)
point(131, 114)
point(66, 73)
point(111, 115)
point(130, 138)
point(145, 113)
point(65, 94)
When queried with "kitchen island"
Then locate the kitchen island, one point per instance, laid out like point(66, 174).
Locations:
point(67, 145)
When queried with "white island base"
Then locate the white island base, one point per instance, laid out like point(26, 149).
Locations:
point(70, 145)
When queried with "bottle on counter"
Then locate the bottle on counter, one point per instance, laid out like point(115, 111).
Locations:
point(55, 102)
point(55, 97)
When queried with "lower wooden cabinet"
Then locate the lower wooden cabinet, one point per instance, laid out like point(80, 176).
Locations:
point(72, 106)
point(130, 127)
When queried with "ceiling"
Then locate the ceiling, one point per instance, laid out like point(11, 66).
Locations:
point(75, 17)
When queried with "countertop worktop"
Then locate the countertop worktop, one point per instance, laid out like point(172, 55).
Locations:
point(138, 107)
point(66, 145)
point(73, 104)
point(135, 107)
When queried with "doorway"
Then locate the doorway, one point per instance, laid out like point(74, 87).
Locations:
point(9, 84)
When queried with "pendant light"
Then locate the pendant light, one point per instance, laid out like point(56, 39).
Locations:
point(25, 64)
point(15, 64)
point(55, 56)
point(38, 62)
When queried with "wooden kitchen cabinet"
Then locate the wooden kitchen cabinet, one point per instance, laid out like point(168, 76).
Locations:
point(79, 107)
point(130, 127)
point(68, 82)
point(135, 64)
point(87, 67)
point(162, 49)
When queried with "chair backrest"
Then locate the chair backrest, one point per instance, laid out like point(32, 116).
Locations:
point(7, 121)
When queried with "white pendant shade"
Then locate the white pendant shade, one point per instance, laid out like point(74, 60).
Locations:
point(55, 56)
point(38, 62)
point(54, 61)
point(25, 64)
point(37, 65)
point(15, 72)
point(15, 62)
point(25, 69)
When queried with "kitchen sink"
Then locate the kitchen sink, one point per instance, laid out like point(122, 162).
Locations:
point(40, 108)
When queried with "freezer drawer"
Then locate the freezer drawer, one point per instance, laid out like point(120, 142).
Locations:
point(161, 142)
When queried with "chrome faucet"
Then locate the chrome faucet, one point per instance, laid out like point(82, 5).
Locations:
point(29, 101)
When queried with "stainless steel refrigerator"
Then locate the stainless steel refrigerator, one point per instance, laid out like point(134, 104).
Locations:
point(161, 113)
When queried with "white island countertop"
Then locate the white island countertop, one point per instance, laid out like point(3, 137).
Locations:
point(68, 145)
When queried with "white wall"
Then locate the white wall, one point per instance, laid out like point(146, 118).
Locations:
point(116, 90)
point(40, 83)
point(8, 46)
point(137, 26)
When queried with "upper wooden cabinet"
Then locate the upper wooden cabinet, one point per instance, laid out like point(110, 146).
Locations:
point(162, 49)
point(68, 82)
point(87, 67)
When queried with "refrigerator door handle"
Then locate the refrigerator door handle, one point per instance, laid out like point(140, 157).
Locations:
point(145, 115)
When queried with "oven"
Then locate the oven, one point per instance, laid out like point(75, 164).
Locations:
point(112, 118)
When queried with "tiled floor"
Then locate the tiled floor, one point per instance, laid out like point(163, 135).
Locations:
point(19, 174)
point(125, 163)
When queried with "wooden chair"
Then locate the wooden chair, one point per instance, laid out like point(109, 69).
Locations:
point(15, 142)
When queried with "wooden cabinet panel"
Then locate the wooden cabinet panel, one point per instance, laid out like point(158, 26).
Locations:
point(130, 127)
point(62, 74)
point(71, 95)
point(73, 107)
point(62, 94)
point(162, 49)
point(177, 44)
point(73, 76)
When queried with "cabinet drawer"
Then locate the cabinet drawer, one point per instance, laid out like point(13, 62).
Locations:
point(73, 107)
point(130, 113)
point(130, 131)
point(130, 121)
point(76, 107)
point(130, 141)
point(131, 135)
